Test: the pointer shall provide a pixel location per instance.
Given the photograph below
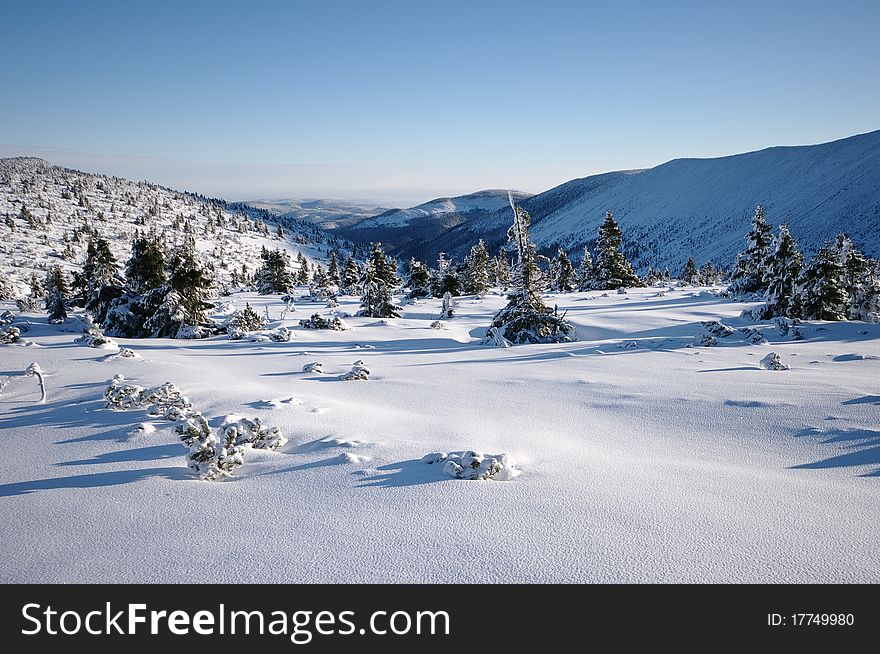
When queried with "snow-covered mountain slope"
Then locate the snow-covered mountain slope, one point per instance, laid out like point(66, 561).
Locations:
point(44, 210)
point(329, 214)
point(701, 207)
point(411, 232)
point(645, 456)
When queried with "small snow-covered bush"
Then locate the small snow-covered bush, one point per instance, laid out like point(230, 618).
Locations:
point(120, 395)
point(717, 328)
point(789, 326)
point(6, 318)
point(95, 338)
point(474, 465)
point(318, 321)
point(621, 291)
point(280, 335)
point(192, 332)
point(439, 324)
point(192, 428)
point(10, 335)
point(753, 336)
point(315, 367)
point(774, 362)
point(215, 455)
point(358, 372)
point(124, 353)
point(164, 397)
point(235, 334)
point(246, 320)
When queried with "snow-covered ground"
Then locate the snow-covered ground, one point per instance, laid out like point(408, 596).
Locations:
point(644, 455)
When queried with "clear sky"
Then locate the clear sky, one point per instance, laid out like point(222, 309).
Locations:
point(399, 102)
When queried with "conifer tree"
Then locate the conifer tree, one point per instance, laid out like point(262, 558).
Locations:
point(823, 286)
point(333, 276)
point(274, 275)
point(585, 275)
point(748, 274)
point(350, 276)
point(146, 267)
point(417, 280)
point(503, 276)
point(376, 301)
point(302, 273)
point(689, 274)
point(562, 275)
point(611, 269)
point(477, 270)
point(783, 267)
point(56, 295)
point(526, 319)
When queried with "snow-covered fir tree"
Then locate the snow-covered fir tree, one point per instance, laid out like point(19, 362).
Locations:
point(503, 276)
point(376, 301)
point(611, 269)
point(181, 302)
point(57, 293)
point(748, 272)
point(822, 288)
point(146, 267)
point(476, 276)
point(562, 275)
point(860, 279)
point(689, 274)
point(417, 279)
point(274, 275)
point(333, 276)
point(585, 275)
point(782, 269)
point(303, 274)
point(380, 267)
point(350, 276)
point(526, 319)
point(445, 279)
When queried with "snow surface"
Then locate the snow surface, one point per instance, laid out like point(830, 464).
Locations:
point(661, 461)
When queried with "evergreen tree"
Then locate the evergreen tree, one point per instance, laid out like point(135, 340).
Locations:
point(748, 274)
point(783, 267)
point(417, 280)
point(477, 270)
point(182, 300)
point(380, 267)
point(503, 275)
point(274, 275)
point(526, 319)
point(689, 274)
point(823, 286)
point(333, 277)
point(350, 276)
point(859, 278)
point(585, 274)
point(146, 267)
point(376, 301)
point(611, 269)
point(709, 276)
point(562, 275)
point(57, 293)
point(302, 273)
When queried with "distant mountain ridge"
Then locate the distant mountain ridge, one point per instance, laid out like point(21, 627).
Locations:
point(685, 207)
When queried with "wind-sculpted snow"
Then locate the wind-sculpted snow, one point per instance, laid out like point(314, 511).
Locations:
point(645, 456)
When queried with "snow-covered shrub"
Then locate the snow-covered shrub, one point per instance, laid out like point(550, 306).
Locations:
point(474, 465)
point(621, 291)
point(235, 334)
point(215, 455)
point(95, 338)
point(447, 310)
point(193, 332)
point(246, 320)
point(789, 326)
point(318, 321)
point(124, 353)
point(358, 372)
point(717, 328)
point(192, 428)
point(10, 335)
point(753, 336)
point(439, 324)
point(6, 318)
point(120, 395)
point(315, 367)
point(280, 335)
point(774, 362)
point(165, 397)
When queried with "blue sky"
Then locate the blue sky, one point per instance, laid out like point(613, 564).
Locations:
point(399, 102)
